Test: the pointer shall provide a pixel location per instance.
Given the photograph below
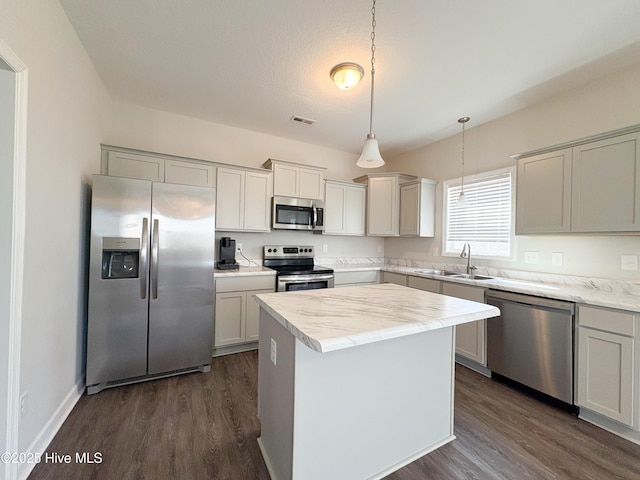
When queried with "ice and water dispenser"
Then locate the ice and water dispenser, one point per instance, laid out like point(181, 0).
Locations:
point(120, 257)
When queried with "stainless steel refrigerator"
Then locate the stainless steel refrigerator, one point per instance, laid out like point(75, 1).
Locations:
point(150, 281)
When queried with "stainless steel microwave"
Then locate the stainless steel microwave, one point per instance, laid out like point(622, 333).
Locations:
point(297, 214)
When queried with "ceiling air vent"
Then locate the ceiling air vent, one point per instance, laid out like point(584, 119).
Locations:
point(299, 119)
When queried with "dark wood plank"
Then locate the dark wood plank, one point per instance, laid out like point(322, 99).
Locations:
point(204, 426)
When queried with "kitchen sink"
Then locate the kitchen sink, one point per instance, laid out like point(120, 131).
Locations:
point(471, 276)
point(450, 273)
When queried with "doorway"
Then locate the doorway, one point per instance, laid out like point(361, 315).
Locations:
point(13, 111)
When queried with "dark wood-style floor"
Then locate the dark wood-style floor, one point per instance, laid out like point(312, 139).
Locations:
point(204, 426)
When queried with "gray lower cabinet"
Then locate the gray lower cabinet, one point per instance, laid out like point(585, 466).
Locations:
point(470, 337)
point(427, 284)
point(236, 310)
point(607, 358)
point(397, 278)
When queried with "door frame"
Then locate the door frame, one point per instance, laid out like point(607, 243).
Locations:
point(13, 340)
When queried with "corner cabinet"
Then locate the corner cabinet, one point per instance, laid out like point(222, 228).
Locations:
point(129, 163)
point(418, 208)
point(607, 364)
point(296, 180)
point(585, 187)
point(243, 200)
point(344, 208)
point(383, 202)
point(237, 312)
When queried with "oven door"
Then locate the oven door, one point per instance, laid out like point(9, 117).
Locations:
point(291, 283)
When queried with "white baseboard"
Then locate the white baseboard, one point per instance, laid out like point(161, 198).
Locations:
point(43, 439)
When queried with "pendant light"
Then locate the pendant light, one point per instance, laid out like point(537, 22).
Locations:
point(462, 200)
point(370, 157)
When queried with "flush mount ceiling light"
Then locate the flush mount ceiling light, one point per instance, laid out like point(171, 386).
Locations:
point(347, 75)
point(371, 157)
point(462, 200)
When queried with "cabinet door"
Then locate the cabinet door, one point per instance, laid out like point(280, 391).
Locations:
point(130, 165)
point(543, 193)
point(230, 199)
point(229, 320)
point(354, 213)
point(409, 209)
point(257, 202)
point(606, 185)
point(189, 173)
point(311, 183)
point(286, 180)
point(334, 209)
point(253, 315)
point(470, 337)
point(383, 197)
point(605, 374)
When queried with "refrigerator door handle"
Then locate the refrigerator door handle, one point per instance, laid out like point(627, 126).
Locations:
point(155, 234)
point(144, 268)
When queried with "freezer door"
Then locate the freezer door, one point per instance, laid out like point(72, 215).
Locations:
point(117, 325)
point(181, 279)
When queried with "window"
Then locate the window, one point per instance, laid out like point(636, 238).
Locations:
point(486, 222)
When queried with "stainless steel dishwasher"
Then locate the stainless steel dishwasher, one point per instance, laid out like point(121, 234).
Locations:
point(532, 341)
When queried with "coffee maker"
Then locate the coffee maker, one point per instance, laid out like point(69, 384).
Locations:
point(227, 257)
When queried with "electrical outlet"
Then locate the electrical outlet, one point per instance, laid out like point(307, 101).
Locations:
point(556, 259)
point(274, 346)
point(238, 247)
point(24, 404)
point(531, 257)
point(629, 262)
point(379, 248)
point(325, 248)
point(435, 251)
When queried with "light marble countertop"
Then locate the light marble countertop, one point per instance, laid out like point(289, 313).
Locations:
point(591, 291)
point(335, 318)
point(244, 272)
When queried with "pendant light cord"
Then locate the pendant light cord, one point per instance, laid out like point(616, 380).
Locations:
point(462, 190)
point(373, 61)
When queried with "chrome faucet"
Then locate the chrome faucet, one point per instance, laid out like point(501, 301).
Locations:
point(466, 253)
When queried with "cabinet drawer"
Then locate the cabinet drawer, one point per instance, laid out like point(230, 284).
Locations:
point(427, 284)
point(616, 321)
point(244, 283)
point(397, 278)
point(342, 278)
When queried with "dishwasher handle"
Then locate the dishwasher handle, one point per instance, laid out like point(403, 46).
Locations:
point(530, 300)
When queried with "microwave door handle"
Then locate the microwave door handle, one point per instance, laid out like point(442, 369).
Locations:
point(144, 254)
point(315, 217)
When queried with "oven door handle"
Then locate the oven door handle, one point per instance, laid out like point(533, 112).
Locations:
point(304, 278)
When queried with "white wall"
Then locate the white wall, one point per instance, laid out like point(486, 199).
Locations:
point(607, 104)
point(68, 115)
point(157, 131)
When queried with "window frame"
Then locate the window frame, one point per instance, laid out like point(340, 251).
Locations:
point(456, 182)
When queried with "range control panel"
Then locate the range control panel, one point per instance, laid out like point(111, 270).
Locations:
point(288, 251)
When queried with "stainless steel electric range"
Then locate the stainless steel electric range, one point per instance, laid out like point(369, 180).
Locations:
point(296, 269)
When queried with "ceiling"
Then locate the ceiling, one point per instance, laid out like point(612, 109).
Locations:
point(253, 64)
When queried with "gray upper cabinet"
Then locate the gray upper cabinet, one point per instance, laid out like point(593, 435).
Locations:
point(418, 208)
point(605, 194)
point(543, 193)
point(130, 165)
point(587, 187)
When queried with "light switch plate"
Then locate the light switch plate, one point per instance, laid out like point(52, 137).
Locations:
point(629, 262)
point(556, 259)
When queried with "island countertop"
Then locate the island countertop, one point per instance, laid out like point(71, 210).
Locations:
point(335, 318)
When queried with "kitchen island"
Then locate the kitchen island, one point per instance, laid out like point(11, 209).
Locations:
point(356, 382)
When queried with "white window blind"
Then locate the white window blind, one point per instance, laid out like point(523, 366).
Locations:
point(486, 221)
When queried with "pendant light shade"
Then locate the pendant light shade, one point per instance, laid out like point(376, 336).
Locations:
point(370, 157)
